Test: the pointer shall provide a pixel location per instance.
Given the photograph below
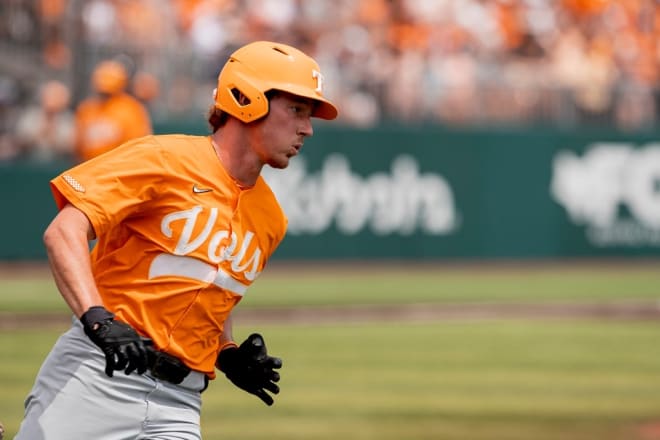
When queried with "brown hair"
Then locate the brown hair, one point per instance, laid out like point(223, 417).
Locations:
point(216, 118)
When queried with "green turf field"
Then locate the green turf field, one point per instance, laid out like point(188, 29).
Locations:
point(347, 285)
point(463, 380)
point(475, 380)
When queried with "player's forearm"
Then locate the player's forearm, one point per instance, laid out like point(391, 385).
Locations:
point(227, 337)
point(66, 241)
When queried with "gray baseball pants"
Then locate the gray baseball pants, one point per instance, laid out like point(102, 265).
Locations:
point(72, 398)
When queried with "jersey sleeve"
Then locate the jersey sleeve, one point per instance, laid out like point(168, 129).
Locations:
point(115, 185)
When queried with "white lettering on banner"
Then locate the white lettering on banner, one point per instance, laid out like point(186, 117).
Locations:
point(240, 260)
point(403, 201)
point(609, 176)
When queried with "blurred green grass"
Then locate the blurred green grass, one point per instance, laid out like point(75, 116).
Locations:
point(462, 380)
point(492, 380)
point(305, 285)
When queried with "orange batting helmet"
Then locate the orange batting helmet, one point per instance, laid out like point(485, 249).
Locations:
point(262, 66)
point(109, 77)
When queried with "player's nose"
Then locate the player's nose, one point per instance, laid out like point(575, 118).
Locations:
point(305, 128)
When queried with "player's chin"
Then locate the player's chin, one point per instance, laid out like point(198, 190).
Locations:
point(280, 163)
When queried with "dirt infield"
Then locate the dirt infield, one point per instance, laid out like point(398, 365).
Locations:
point(619, 310)
point(457, 312)
point(637, 310)
point(20, 269)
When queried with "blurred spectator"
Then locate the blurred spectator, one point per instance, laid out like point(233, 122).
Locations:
point(145, 87)
point(45, 129)
point(448, 61)
point(110, 116)
point(10, 92)
point(56, 54)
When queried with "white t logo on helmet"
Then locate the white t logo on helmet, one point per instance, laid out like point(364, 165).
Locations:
point(319, 81)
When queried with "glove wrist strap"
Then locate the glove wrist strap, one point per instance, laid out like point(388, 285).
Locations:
point(226, 358)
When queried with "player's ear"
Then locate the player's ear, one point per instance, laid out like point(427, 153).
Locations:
point(244, 100)
point(240, 97)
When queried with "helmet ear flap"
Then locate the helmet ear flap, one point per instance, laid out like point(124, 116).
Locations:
point(228, 99)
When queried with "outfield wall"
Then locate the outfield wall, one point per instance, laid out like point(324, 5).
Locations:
point(403, 192)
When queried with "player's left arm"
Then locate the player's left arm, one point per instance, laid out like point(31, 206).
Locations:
point(227, 338)
point(248, 366)
point(251, 368)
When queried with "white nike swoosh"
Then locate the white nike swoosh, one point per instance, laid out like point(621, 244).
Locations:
point(198, 190)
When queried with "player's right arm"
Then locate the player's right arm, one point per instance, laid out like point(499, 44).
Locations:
point(66, 240)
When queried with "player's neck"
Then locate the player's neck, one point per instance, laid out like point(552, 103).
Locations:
point(238, 161)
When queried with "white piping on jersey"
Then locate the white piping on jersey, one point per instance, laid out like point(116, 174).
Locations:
point(188, 267)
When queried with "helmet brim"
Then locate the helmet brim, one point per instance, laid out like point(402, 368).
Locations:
point(324, 108)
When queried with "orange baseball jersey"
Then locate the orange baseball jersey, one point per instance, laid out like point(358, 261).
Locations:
point(179, 241)
point(102, 125)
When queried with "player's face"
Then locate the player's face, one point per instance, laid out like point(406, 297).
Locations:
point(283, 131)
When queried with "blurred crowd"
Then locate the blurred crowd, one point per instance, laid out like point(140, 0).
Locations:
point(564, 63)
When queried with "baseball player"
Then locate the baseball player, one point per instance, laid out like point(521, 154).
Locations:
point(111, 116)
point(184, 225)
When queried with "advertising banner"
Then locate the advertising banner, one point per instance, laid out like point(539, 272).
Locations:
point(434, 193)
point(431, 193)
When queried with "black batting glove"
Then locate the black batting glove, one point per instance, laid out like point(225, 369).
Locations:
point(119, 342)
point(250, 368)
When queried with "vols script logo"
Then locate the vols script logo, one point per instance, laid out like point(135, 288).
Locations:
point(245, 259)
point(614, 190)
